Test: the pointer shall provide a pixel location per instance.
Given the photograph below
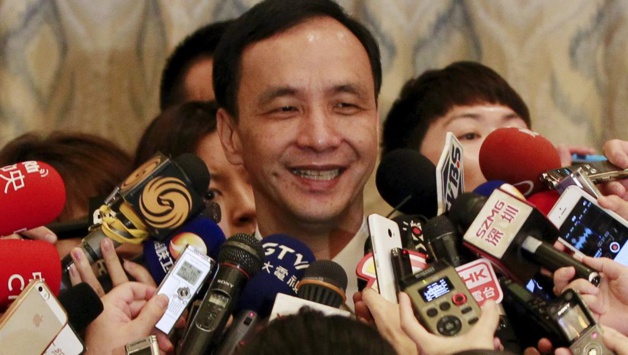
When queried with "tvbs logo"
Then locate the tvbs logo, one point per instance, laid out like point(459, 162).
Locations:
point(453, 175)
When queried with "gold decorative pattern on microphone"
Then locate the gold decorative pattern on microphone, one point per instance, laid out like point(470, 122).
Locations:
point(165, 203)
point(140, 173)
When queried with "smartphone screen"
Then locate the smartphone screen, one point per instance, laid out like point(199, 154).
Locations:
point(593, 232)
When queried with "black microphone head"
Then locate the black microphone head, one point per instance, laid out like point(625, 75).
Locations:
point(411, 228)
point(243, 250)
point(196, 170)
point(324, 282)
point(212, 211)
point(407, 174)
point(444, 241)
point(82, 305)
point(465, 208)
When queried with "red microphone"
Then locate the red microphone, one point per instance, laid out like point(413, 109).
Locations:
point(32, 194)
point(544, 201)
point(518, 156)
point(23, 261)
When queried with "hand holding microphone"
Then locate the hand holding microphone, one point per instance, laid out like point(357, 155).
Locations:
point(512, 234)
point(154, 200)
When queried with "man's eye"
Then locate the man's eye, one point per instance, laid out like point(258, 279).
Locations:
point(287, 109)
point(346, 108)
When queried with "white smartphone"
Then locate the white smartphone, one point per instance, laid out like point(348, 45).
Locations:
point(589, 229)
point(32, 321)
point(385, 237)
point(66, 343)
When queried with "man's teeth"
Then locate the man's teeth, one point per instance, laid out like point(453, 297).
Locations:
point(317, 174)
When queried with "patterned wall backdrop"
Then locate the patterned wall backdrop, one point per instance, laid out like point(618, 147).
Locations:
point(94, 66)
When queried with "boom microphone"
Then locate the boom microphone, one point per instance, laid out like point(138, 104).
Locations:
point(155, 200)
point(26, 260)
point(513, 234)
point(406, 180)
point(240, 258)
point(32, 194)
point(287, 260)
point(518, 156)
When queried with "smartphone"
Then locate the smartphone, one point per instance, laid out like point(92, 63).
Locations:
point(587, 158)
point(385, 236)
point(577, 324)
point(182, 283)
point(596, 171)
point(587, 228)
point(580, 179)
point(441, 300)
point(32, 321)
point(66, 343)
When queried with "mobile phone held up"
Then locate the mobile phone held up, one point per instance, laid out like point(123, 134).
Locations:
point(589, 229)
point(385, 236)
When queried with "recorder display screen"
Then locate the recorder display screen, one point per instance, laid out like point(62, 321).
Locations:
point(593, 232)
point(436, 289)
point(573, 322)
point(189, 273)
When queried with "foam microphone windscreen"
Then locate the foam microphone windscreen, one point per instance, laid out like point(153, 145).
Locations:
point(196, 170)
point(287, 259)
point(544, 201)
point(201, 232)
point(518, 156)
point(406, 179)
point(25, 260)
point(82, 305)
point(324, 282)
point(487, 188)
point(32, 194)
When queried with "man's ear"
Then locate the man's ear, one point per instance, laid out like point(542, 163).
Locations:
point(229, 138)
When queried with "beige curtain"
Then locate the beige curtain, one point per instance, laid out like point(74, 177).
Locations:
point(94, 66)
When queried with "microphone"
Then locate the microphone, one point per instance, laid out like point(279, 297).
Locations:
point(444, 242)
point(23, 261)
point(240, 258)
point(286, 262)
point(82, 305)
point(324, 282)
point(513, 234)
point(240, 332)
point(406, 180)
point(322, 288)
point(156, 199)
point(487, 188)
point(32, 195)
point(518, 156)
point(411, 228)
point(201, 233)
point(544, 200)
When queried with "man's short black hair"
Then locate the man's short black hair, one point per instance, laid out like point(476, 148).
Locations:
point(435, 92)
point(200, 44)
point(267, 19)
